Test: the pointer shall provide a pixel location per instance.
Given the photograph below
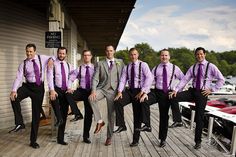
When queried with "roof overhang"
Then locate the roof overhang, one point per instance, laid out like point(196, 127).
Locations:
point(99, 22)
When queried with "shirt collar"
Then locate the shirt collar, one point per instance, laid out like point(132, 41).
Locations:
point(108, 60)
point(136, 62)
point(167, 64)
point(203, 62)
point(89, 64)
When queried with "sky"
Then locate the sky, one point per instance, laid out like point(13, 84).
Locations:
point(182, 23)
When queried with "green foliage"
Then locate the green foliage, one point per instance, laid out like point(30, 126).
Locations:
point(184, 58)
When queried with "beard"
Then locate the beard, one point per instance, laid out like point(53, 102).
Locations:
point(61, 58)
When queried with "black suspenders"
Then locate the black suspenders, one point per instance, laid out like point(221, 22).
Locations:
point(24, 68)
point(139, 75)
point(206, 72)
point(172, 75)
point(79, 74)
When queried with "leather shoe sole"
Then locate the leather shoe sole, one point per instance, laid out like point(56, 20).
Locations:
point(176, 124)
point(108, 142)
point(162, 144)
point(133, 144)
point(34, 145)
point(197, 146)
point(120, 129)
point(99, 127)
point(77, 117)
point(144, 128)
point(86, 140)
point(62, 143)
point(17, 128)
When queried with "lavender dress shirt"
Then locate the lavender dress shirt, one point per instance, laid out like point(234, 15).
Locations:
point(75, 75)
point(146, 77)
point(212, 74)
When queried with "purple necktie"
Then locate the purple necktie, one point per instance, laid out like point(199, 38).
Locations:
point(63, 74)
point(87, 77)
point(111, 65)
point(132, 76)
point(164, 83)
point(199, 75)
point(36, 72)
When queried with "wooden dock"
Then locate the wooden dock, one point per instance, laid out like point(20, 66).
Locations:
point(179, 142)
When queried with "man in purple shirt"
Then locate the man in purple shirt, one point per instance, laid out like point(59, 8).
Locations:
point(84, 74)
point(164, 74)
point(58, 77)
point(32, 68)
point(139, 78)
point(202, 74)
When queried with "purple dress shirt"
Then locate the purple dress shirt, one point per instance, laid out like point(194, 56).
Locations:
point(212, 74)
point(158, 76)
point(58, 74)
point(75, 75)
point(146, 77)
point(29, 71)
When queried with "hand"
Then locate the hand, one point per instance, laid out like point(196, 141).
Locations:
point(143, 97)
point(71, 91)
point(206, 92)
point(139, 95)
point(92, 96)
point(118, 96)
point(50, 63)
point(53, 95)
point(13, 96)
point(172, 94)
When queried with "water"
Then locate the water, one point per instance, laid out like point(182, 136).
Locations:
point(232, 80)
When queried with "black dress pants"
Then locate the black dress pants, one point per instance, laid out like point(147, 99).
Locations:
point(193, 95)
point(81, 94)
point(128, 96)
point(157, 96)
point(61, 101)
point(36, 94)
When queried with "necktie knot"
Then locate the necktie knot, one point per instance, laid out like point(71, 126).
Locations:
point(111, 65)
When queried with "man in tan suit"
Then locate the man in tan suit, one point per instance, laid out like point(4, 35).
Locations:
point(104, 85)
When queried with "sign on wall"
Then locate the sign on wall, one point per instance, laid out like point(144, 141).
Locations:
point(53, 39)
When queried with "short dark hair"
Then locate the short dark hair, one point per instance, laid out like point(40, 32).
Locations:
point(108, 46)
point(200, 48)
point(132, 49)
point(30, 45)
point(62, 48)
point(86, 51)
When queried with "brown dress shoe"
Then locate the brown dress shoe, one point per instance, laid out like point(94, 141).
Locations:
point(108, 142)
point(99, 127)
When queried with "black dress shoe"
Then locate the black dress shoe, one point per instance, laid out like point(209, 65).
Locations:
point(176, 124)
point(133, 144)
point(34, 145)
point(162, 144)
point(17, 128)
point(144, 128)
point(197, 145)
point(120, 129)
point(58, 123)
point(77, 117)
point(62, 142)
point(87, 140)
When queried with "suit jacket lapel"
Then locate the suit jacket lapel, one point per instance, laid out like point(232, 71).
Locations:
point(105, 66)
